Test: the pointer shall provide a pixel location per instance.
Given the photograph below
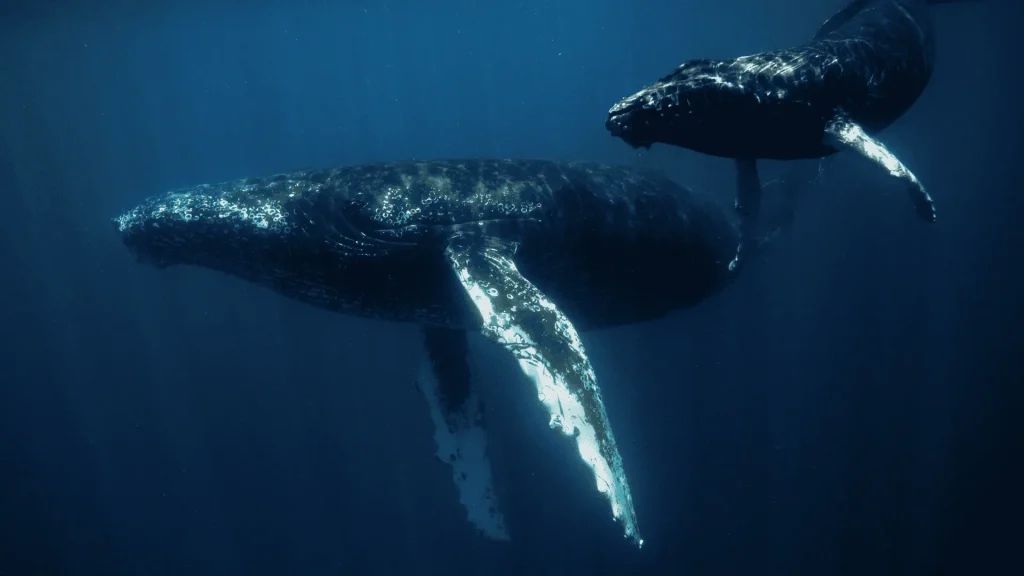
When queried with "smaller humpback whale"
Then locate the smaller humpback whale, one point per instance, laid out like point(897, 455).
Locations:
point(529, 252)
point(863, 69)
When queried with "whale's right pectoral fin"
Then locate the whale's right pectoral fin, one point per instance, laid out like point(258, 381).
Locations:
point(516, 315)
point(843, 133)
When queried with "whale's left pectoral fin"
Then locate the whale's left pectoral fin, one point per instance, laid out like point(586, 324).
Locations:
point(748, 206)
point(519, 317)
point(459, 430)
point(843, 133)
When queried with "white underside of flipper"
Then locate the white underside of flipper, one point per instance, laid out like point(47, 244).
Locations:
point(462, 444)
point(521, 319)
point(843, 133)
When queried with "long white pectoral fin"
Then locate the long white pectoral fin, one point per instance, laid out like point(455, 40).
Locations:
point(843, 133)
point(519, 317)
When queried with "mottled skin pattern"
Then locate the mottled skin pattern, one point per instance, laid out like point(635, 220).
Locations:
point(871, 61)
point(609, 245)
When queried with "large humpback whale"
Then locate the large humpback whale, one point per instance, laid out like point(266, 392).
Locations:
point(529, 252)
point(862, 70)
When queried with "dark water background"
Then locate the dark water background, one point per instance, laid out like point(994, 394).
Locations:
point(852, 406)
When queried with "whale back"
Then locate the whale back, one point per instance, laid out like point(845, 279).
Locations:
point(610, 244)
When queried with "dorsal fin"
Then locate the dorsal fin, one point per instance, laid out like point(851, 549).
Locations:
point(841, 17)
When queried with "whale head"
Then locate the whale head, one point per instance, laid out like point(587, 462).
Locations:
point(298, 234)
point(237, 228)
point(699, 106)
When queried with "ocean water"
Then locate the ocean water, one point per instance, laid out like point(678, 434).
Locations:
point(850, 406)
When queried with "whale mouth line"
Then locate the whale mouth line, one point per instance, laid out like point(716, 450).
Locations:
point(619, 124)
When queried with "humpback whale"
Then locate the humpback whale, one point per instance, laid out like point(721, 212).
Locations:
point(863, 69)
point(528, 252)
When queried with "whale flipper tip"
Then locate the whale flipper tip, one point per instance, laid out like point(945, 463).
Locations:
point(843, 133)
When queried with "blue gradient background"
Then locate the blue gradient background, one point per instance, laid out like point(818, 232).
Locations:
point(851, 406)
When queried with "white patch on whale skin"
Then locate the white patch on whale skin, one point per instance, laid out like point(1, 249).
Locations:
point(462, 444)
point(568, 391)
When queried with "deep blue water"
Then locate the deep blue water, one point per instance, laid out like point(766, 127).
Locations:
point(851, 406)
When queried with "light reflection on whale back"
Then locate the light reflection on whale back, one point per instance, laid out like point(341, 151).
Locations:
point(608, 243)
